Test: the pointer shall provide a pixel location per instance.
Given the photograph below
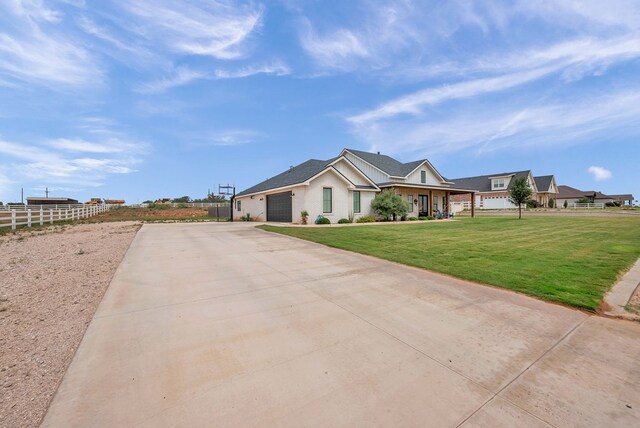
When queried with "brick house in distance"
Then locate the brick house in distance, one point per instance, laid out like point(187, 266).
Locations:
point(492, 191)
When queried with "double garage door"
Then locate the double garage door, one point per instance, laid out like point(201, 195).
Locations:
point(279, 207)
point(497, 203)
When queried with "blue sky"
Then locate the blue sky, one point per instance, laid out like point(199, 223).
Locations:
point(160, 98)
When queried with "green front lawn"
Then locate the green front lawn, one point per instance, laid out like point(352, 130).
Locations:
point(567, 260)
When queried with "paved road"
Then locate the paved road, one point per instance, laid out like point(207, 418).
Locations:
point(226, 325)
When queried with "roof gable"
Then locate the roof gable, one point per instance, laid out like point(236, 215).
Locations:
point(544, 182)
point(391, 166)
point(482, 183)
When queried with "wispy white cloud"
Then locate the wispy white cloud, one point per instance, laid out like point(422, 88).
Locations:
point(233, 137)
point(488, 127)
point(215, 28)
point(34, 10)
point(276, 68)
point(335, 50)
point(36, 50)
point(414, 102)
point(572, 59)
point(181, 76)
point(68, 161)
point(111, 145)
point(184, 75)
point(599, 173)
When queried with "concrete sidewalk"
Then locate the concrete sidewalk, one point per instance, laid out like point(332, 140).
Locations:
point(225, 325)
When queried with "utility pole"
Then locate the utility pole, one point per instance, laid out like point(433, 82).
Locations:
point(22, 195)
point(228, 190)
point(46, 192)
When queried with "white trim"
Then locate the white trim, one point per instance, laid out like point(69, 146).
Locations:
point(442, 180)
point(324, 171)
point(270, 191)
point(341, 157)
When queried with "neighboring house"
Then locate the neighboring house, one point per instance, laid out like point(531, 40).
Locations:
point(625, 199)
point(547, 190)
point(572, 195)
point(345, 186)
point(51, 201)
point(492, 191)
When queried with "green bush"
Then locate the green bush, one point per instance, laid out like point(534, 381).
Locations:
point(552, 203)
point(246, 217)
point(429, 217)
point(366, 219)
point(182, 205)
point(323, 220)
point(344, 220)
point(159, 206)
point(389, 205)
point(412, 218)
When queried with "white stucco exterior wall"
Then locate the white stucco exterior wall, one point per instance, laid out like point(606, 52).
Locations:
point(340, 199)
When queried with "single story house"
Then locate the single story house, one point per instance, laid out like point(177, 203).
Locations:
point(345, 186)
point(492, 191)
point(572, 195)
point(51, 201)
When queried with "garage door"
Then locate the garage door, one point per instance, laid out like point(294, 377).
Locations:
point(279, 207)
point(497, 202)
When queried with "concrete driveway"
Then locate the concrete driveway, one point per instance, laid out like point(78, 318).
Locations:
point(225, 325)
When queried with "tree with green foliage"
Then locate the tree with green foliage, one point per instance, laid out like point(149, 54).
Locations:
point(389, 204)
point(182, 199)
point(519, 193)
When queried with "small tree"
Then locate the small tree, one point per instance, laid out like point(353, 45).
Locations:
point(566, 204)
point(519, 193)
point(389, 204)
point(182, 199)
point(552, 203)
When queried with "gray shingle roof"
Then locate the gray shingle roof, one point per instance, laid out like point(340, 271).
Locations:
point(296, 175)
point(482, 183)
point(387, 164)
point(624, 197)
point(568, 192)
point(543, 182)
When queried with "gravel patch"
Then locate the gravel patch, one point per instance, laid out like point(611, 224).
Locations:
point(51, 282)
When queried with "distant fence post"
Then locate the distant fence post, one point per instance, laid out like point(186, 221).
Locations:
point(50, 216)
point(29, 217)
point(13, 219)
point(41, 215)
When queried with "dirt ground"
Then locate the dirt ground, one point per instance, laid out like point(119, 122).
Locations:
point(51, 282)
point(152, 214)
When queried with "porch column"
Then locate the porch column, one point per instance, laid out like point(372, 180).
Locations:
point(473, 204)
point(448, 207)
point(430, 205)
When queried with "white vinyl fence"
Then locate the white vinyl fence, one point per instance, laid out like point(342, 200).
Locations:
point(598, 205)
point(47, 214)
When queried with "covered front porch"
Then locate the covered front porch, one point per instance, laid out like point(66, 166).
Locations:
point(429, 200)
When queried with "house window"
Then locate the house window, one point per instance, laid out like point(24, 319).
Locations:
point(327, 199)
point(435, 203)
point(498, 183)
point(356, 202)
point(239, 205)
point(410, 202)
point(423, 177)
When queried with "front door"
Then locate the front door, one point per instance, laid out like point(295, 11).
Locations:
point(423, 205)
